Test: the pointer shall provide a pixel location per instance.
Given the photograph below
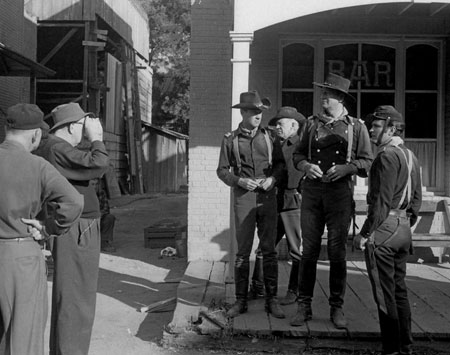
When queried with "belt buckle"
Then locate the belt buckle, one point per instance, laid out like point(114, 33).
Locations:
point(326, 178)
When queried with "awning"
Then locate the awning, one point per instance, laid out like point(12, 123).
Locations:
point(13, 63)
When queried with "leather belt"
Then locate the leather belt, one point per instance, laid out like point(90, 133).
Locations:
point(17, 240)
point(398, 213)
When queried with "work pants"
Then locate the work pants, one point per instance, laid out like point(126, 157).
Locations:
point(76, 255)
point(330, 204)
point(386, 264)
point(107, 222)
point(255, 210)
point(23, 298)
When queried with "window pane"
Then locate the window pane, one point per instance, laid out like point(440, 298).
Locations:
point(421, 67)
point(370, 101)
point(421, 115)
point(298, 66)
point(302, 101)
point(339, 59)
point(377, 67)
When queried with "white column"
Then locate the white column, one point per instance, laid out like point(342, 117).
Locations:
point(241, 68)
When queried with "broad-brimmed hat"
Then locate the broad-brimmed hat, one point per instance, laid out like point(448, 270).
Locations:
point(336, 82)
point(384, 112)
point(252, 100)
point(287, 112)
point(66, 114)
point(25, 116)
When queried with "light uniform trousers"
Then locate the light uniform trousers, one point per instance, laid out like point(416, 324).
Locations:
point(23, 298)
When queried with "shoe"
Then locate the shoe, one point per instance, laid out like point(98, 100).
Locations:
point(274, 308)
point(239, 307)
point(290, 298)
point(338, 318)
point(256, 292)
point(304, 313)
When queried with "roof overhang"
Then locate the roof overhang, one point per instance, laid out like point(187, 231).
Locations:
point(13, 63)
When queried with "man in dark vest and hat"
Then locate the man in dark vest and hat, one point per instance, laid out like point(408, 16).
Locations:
point(286, 125)
point(333, 147)
point(77, 255)
point(394, 199)
point(251, 164)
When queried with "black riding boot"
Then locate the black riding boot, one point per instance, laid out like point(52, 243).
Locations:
point(257, 286)
point(338, 282)
point(307, 280)
point(241, 274)
point(292, 292)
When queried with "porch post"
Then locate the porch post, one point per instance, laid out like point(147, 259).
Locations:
point(241, 63)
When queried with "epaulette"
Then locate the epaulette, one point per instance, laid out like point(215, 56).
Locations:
point(228, 134)
point(361, 121)
point(311, 117)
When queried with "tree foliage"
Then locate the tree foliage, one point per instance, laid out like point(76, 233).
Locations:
point(170, 28)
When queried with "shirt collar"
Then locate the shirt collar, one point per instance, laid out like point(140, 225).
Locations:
point(325, 119)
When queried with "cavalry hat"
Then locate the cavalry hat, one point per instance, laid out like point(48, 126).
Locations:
point(25, 116)
point(67, 113)
point(252, 100)
point(336, 82)
point(385, 112)
point(287, 112)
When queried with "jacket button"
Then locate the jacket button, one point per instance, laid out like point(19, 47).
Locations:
point(318, 150)
point(333, 163)
point(346, 131)
point(337, 151)
point(318, 162)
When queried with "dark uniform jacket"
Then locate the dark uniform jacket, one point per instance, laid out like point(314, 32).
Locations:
point(79, 167)
point(388, 177)
point(254, 157)
point(329, 143)
point(289, 186)
point(27, 182)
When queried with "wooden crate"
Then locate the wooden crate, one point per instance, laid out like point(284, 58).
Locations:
point(163, 234)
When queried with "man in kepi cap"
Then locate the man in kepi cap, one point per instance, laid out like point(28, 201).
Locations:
point(256, 164)
point(394, 199)
point(77, 255)
point(287, 123)
point(333, 147)
point(27, 181)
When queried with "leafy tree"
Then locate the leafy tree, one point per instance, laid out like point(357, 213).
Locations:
point(170, 32)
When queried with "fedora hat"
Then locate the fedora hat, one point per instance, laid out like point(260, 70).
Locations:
point(287, 112)
point(252, 100)
point(66, 114)
point(25, 117)
point(384, 112)
point(336, 82)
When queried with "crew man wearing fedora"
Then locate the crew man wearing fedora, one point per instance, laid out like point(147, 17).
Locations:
point(394, 199)
point(251, 164)
point(27, 181)
point(333, 147)
point(287, 123)
point(76, 255)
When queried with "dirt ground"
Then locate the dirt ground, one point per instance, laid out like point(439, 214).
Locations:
point(135, 276)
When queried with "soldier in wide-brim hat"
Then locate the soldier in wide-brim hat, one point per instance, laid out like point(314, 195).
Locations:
point(333, 147)
point(251, 163)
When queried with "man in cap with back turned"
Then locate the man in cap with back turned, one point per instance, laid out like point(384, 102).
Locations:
point(27, 182)
point(76, 256)
point(394, 198)
point(333, 147)
point(251, 164)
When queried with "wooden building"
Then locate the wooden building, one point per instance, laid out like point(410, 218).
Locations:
point(394, 52)
point(18, 66)
point(164, 159)
point(99, 50)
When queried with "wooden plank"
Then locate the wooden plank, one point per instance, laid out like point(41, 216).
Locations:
point(254, 322)
point(320, 325)
point(214, 298)
point(432, 287)
point(360, 308)
point(190, 293)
